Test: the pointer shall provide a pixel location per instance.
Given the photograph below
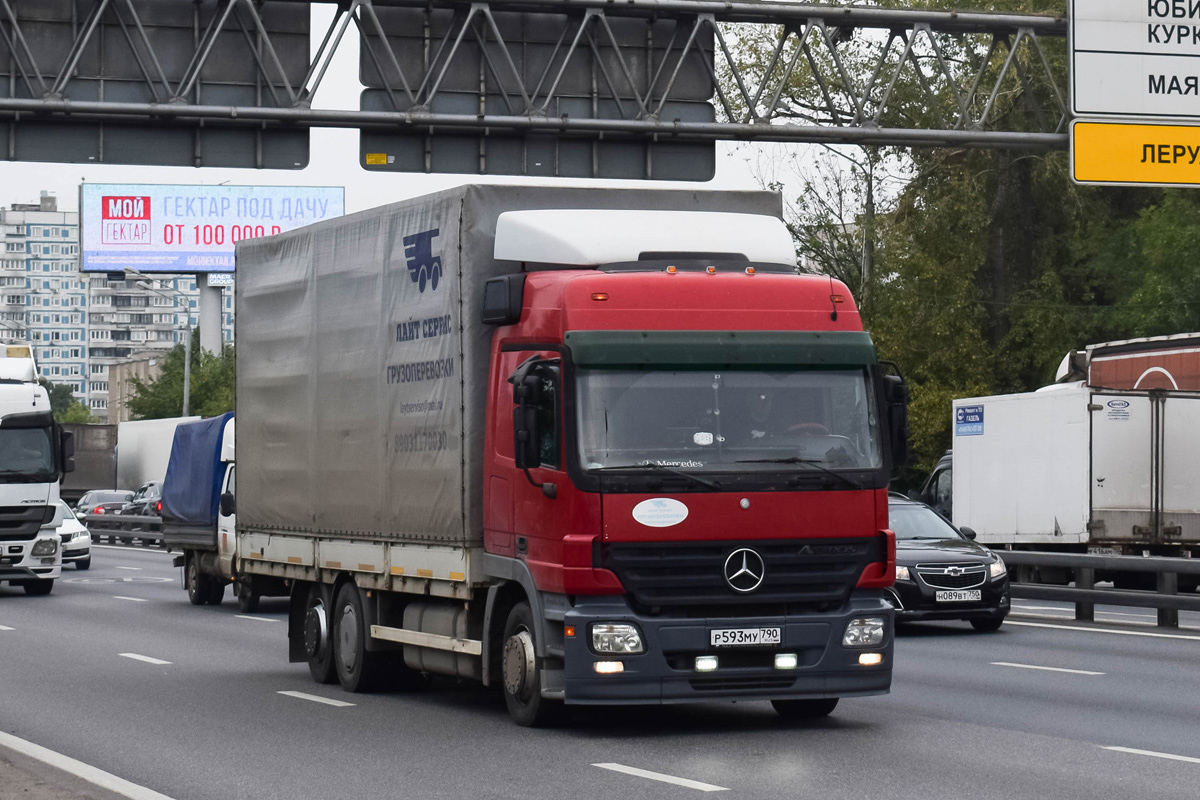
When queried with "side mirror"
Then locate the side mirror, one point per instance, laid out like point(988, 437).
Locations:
point(527, 392)
point(502, 299)
point(895, 394)
point(967, 532)
point(66, 449)
point(228, 505)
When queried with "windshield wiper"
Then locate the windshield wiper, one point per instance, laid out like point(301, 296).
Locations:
point(651, 465)
point(797, 460)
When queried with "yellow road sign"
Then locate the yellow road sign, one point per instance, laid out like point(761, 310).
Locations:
point(1135, 153)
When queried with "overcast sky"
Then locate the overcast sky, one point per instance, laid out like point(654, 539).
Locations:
point(333, 159)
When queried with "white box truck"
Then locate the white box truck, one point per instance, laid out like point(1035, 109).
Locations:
point(1103, 462)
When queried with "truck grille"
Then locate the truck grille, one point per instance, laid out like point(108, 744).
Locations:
point(685, 576)
point(952, 576)
point(21, 523)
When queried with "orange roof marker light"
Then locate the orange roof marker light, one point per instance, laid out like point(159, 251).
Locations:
point(711, 270)
point(599, 295)
point(837, 298)
point(749, 270)
point(671, 270)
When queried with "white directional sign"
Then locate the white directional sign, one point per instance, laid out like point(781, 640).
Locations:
point(1135, 58)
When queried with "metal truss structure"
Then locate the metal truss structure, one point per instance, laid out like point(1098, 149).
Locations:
point(662, 71)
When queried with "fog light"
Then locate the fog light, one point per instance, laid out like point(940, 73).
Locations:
point(616, 637)
point(608, 667)
point(786, 661)
point(46, 547)
point(870, 659)
point(864, 632)
point(706, 663)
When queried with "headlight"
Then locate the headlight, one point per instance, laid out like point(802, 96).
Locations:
point(46, 547)
point(997, 569)
point(616, 637)
point(902, 573)
point(864, 632)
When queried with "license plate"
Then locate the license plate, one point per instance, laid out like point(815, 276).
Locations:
point(744, 637)
point(958, 596)
point(1103, 551)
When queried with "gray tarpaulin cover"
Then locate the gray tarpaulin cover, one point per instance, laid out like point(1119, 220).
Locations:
point(362, 361)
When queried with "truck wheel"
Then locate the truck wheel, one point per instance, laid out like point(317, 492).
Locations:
point(522, 680)
point(196, 582)
point(318, 639)
point(247, 599)
point(805, 709)
point(357, 668)
point(216, 592)
point(39, 587)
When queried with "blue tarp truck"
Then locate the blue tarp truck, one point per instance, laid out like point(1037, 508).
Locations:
point(199, 513)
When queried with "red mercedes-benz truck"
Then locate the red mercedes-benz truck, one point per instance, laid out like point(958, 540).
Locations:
point(590, 446)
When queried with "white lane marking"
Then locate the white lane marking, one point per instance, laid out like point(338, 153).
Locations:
point(6, 628)
point(134, 599)
point(1170, 756)
point(1103, 630)
point(1047, 669)
point(260, 619)
point(316, 699)
point(658, 776)
point(147, 659)
point(96, 777)
point(135, 569)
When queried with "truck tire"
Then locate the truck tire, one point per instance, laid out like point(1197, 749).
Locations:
point(216, 591)
point(39, 587)
point(247, 598)
point(318, 637)
point(521, 673)
point(358, 669)
point(805, 709)
point(200, 587)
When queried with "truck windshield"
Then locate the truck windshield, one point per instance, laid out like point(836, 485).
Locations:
point(736, 419)
point(26, 454)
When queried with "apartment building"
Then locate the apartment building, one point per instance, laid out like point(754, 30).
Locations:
point(81, 326)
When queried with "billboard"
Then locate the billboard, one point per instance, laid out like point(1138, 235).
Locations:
point(172, 228)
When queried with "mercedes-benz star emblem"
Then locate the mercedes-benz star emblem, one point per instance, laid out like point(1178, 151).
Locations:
point(744, 570)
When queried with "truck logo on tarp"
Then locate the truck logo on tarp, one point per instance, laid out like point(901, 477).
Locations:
point(423, 266)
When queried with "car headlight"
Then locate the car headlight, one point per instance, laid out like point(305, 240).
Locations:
point(902, 573)
point(45, 547)
point(616, 637)
point(864, 632)
point(997, 569)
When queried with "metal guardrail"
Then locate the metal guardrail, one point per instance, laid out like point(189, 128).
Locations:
point(1085, 596)
point(125, 528)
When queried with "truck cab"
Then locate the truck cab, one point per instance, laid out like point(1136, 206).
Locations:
point(34, 454)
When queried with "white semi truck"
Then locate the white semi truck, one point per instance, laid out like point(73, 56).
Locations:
point(34, 454)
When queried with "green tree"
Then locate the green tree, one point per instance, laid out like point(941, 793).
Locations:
point(212, 384)
point(63, 404)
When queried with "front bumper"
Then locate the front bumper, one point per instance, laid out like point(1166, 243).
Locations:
point(916, 601)
point(665, 672)
point(16, 563)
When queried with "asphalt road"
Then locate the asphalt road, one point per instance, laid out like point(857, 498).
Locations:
point(1044, 708)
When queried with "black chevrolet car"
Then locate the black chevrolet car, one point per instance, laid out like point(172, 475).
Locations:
point(941, 573)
